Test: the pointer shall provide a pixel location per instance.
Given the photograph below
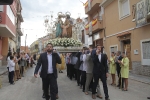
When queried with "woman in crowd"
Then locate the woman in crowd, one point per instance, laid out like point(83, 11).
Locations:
point(112, 67)
point(63, 64)
point(17, 77)
point(19, 59)
point(125, 70)
point(31, 61)
point(22, 63)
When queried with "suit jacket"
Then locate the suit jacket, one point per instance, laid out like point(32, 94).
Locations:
point(99, 67)
point(117, 64)
point(74, 60)
point(43, 60)
point(89, 64)
point(77, 65)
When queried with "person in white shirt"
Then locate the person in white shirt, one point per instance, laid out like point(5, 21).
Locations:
point(11, 65)
point(83, 76)
point(27, 59)
point(8, 59)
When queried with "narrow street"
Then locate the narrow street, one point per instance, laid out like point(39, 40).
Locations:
point(29, 88)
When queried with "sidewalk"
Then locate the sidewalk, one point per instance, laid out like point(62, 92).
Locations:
point(140, 78)
point(3, 69)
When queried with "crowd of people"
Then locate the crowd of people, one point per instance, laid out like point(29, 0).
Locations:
point(86, 67)
point(17, 63)
point(90, 65)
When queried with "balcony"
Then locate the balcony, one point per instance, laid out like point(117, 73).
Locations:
point(97, 27)
point(94, 6)
point(20, 16)
point(6, 32)
point(7, 28)
point(19, 32)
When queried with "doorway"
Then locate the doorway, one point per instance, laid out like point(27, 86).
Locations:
point(127, 49)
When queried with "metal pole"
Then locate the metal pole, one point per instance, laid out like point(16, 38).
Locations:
point(25, 42)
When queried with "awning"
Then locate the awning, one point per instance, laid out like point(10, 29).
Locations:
point(123, 34)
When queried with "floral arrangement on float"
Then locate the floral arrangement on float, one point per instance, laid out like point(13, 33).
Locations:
point(65, 42)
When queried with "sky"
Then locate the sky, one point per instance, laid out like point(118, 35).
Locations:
point(33, 12)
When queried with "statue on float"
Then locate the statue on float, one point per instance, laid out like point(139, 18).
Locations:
point(58, 24)
point(64, 29)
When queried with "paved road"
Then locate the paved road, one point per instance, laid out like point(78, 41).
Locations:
point(29, 88)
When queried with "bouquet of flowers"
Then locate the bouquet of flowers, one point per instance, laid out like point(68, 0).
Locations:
point(65, 42)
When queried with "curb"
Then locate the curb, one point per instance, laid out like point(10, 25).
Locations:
point(139, 81)
point(3, 73)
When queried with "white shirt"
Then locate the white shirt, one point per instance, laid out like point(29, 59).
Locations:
point(50, 66)
point(84, 63)
point(27, 56)
point(11, 65)
point(8, 59)
point(99, 57)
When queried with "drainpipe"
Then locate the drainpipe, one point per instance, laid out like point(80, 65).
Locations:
point(104, 38)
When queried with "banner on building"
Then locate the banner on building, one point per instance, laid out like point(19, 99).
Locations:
point(141, 13)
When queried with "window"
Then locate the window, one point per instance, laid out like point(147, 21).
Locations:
point(1, 8)
point(124, 8)
point(114, 49)
point(10, 14)
point(96, 36)
point(145, 52)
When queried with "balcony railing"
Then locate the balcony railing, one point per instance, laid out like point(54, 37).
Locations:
point(92, 6)
point(19, 32)
point(96, 26)
point(20, 16)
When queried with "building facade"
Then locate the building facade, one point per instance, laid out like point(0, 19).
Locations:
point(8, 29)
point(126, 27)
point(94, 27)
point(19, 30)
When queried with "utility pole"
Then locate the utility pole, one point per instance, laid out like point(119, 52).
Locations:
point(25, 42)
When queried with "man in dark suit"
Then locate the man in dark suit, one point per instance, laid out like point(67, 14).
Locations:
point(119, 58)
point(100, 71)
point(77, 66)
point(48, 60)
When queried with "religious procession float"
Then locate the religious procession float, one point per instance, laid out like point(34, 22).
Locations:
point(66, 37)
